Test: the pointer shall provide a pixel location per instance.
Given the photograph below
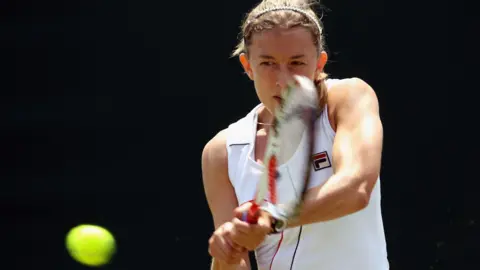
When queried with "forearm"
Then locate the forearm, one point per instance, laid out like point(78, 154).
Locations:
point(338, 197)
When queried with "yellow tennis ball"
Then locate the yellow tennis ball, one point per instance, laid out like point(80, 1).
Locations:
point(90, 245)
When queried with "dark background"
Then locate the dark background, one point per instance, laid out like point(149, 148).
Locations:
point(106, 106)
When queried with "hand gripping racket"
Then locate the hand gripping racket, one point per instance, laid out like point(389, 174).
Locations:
point(293, 127)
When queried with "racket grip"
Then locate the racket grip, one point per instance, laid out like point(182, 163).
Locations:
point(251, 215)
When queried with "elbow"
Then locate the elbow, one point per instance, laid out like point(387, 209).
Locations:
point(363, 192)
point(362, 199)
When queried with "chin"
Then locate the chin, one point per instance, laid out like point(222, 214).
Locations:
point(272, 107)
point(275, 103)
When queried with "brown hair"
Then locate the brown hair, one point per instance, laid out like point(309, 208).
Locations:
point(300, 14)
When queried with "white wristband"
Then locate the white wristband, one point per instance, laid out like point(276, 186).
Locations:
point(279, 215)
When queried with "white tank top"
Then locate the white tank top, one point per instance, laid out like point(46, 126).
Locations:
point(356, 241)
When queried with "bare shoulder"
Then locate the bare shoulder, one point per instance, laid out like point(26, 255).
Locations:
point(350, 94)
point(348, 90)
point(215, 151)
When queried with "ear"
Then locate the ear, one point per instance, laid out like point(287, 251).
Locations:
point(321, 62)
point(246, 65)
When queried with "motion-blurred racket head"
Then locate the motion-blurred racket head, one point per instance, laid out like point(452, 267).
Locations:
point(290, 136)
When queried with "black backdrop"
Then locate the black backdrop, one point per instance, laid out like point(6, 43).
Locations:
point(106, 106)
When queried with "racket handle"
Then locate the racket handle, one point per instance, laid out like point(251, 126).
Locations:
point(251, 215)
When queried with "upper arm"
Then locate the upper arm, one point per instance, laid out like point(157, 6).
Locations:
point(358, 141)
point(218, 189)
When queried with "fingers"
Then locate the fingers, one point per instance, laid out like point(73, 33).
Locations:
point(236, 247)
point(264, 222)
point(218, 249)
point(263, 225)
point(224, 249)
point(244, 208)
point(229, 232)
point(244, 235)
point(225, 253)
point(249, 235)
point(241, 227)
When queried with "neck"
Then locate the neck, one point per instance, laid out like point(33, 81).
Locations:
point(264, 116)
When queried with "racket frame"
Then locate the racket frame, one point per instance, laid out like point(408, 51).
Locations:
point(268, 178)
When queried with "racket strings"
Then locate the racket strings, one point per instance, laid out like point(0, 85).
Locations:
point(295, 117)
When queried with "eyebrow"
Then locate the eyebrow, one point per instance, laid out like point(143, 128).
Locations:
point(271, 57)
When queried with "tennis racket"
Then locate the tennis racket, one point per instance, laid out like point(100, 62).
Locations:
point(292, 133)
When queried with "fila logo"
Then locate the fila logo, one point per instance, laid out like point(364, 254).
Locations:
point(321, 161)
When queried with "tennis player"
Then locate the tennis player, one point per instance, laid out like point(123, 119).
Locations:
point(340, 226)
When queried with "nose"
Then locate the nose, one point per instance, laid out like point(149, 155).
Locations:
point(283, 78)
point(281, 83)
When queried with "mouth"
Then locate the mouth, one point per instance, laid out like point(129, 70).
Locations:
point(277, 98)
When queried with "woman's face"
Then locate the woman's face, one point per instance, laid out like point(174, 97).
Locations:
point(275, 55)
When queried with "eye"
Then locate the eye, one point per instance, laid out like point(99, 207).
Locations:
point(267, 63)
point(297, 63)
